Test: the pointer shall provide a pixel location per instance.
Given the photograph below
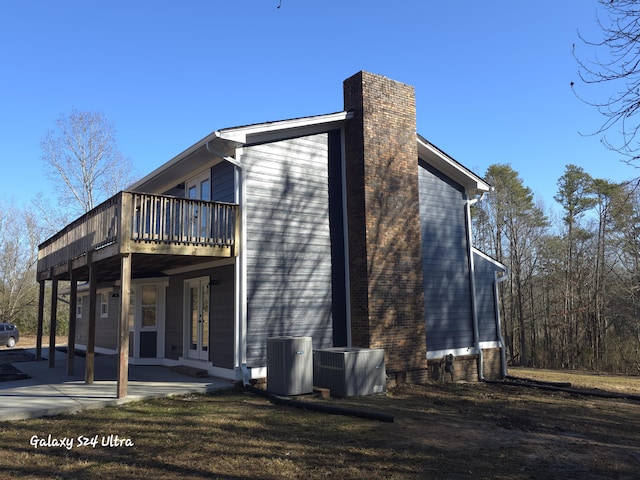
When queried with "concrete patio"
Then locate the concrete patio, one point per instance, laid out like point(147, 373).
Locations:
point(50, 391)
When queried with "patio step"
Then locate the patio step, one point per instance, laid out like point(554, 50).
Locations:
point(190, 371)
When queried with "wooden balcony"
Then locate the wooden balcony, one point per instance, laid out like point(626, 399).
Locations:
point(140, 223)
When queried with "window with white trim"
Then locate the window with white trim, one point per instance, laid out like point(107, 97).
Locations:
point(79, 307)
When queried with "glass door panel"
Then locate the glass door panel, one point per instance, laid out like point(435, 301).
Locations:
point(199, 188)
point(197, 293)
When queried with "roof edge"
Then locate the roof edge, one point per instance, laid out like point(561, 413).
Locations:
point(249, 133)
point(454, 169)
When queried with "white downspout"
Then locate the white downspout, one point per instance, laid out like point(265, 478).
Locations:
point(474, 308)
point(503, 347)
point(240, 341)
point(241, 274)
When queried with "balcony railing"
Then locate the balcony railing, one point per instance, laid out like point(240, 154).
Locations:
point(136, 221)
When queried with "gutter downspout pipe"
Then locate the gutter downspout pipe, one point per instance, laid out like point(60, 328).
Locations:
point(472, 279)
point(503, 347)
point(241, 339)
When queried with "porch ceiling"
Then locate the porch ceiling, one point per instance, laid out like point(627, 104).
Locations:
point(142, 266)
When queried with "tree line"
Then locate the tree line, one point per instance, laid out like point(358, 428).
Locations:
point(572, 299)
point(84, 165)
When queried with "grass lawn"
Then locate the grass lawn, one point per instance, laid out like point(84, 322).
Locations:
point(449, 431)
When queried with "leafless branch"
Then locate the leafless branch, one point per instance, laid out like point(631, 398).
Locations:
point(616, 63)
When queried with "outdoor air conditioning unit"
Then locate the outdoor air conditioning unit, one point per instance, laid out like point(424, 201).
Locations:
point(350, 371)
point(289, 365)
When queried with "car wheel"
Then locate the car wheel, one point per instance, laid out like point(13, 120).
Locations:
point(11, 342)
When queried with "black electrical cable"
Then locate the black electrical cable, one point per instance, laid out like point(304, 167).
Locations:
point(561, 387)
point(318, 407)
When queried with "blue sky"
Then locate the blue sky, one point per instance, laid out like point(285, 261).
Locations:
point(492, 78)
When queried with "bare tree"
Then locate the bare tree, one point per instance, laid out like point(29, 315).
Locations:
point(19, 238)
point(616, 62)
point(83, 161)
point(510, 226)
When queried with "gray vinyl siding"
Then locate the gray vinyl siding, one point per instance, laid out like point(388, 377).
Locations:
point(222, 183)
point(445, 261)
point(106, 328)
point(222, 325)
point(177, 191)
point(289, 275)
point(485, 298)
point(174, 318)
point(82, 322)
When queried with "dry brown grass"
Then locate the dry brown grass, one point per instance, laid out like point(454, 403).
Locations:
point(451, 431)
point(599, 381)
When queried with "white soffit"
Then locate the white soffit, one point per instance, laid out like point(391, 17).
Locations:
point(454, 170)
point(225, 141)
point(264, 132)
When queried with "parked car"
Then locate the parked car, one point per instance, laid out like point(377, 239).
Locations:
point(9, 334)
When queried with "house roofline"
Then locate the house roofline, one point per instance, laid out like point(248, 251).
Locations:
point(496, 263)
point(259, 132)
point(224, 141)
point(472, 183)
point(171, 164)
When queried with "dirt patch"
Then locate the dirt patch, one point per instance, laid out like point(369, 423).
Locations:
point(515, 432)
point(8, 371)
point(16, 355)
point(440, 431)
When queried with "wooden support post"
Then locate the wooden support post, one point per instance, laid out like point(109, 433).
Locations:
point(123, 326)
point(54, 322)
point(40, 321)
point(89, 368)
point(71, 339)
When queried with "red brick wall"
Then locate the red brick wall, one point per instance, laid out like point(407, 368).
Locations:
point(465, 367)
point(387, 299)
point(492, 365)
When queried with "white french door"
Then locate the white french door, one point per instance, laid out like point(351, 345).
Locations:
point(198, 188)
point(197, 318)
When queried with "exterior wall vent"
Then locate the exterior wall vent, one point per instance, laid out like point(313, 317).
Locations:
point(350, 371)
point(289, 365)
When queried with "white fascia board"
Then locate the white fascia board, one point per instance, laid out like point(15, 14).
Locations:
point(495, 262)
point(263, 132)
point(167, 166)
point(226, 140)
point(472, 183)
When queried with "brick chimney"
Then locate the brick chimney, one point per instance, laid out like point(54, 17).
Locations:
point(385, 258)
